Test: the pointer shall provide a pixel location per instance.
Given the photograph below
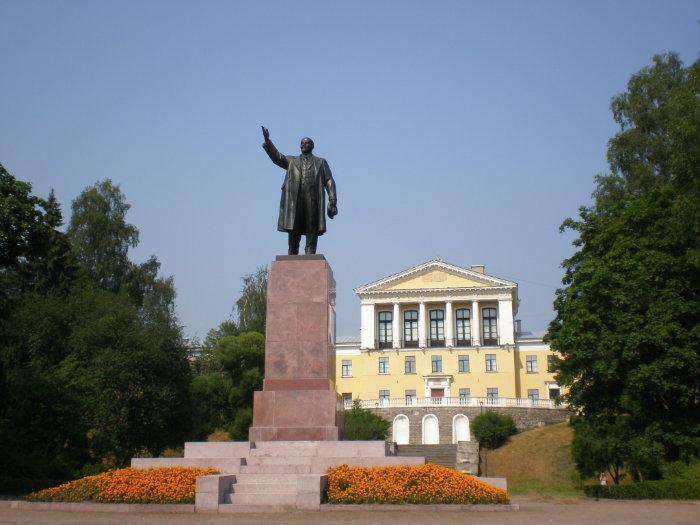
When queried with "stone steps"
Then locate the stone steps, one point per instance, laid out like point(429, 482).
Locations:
point(249, 478)
point(275, 469)
point(279, 460)
point(256, 498)
point(230, 508)
point(445, 455)
point(264, 488)
point(229, 466)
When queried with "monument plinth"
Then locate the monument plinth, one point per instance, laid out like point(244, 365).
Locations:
point(298, 400)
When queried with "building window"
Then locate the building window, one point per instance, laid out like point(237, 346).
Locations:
point(383, 365)
point(490, 330)
point(463, 362)
point(436, 360)
point(531, 364)
point(410, 329)
point(551, 363)
point(437, 327)
point(492, 396)
point(464, 330)
point(554, 393)
point(346, 370)
point(464, 396)
point(383, 397)
point(385, 329)
point(347, 399)
point(491, 363)
point(410, 364)
point(533, 394)
point(410, 397)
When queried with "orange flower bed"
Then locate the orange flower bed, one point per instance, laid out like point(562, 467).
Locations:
point(129, 485)
point(408, 484)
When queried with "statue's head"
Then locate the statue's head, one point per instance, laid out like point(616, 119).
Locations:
point(307, 145)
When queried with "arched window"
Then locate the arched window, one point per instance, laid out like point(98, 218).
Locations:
point(464, 329)
point(385, 329)
point(460, 428)
point(400, 430)
point(410, 329)
point(490, 329)
point(431, 430)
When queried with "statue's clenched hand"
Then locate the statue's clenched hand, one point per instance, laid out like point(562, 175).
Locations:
point(266, 133)
point(332, 210)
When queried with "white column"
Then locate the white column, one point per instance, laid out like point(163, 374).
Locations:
point(505, 322)
point(367, 326)
point(396, 328)
point(476, 324)
point(421, 325)
point(449, 325)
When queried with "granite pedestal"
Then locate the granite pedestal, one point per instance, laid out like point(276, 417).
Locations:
point(298, 401)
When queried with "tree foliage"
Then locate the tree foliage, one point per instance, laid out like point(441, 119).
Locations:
point(224, 395)
point(492, 429)
point(92, 364)
point(626, 321)
point(360, 424)
point(252, 304)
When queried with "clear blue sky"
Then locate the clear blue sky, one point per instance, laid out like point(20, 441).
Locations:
point(461, 130)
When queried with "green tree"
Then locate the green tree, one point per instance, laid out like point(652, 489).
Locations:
point(626, 321)
point(223, 396)
point(100, 235)
point(360, 424)
point(492, 429)
point(93, 367)
point(252, 305)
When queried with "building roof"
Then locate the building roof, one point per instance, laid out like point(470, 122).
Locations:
point(436, 264)
point(347, 339)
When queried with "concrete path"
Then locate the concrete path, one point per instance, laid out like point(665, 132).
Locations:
point(533, 511)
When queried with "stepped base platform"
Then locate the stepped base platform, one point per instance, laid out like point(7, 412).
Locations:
point(272, 475)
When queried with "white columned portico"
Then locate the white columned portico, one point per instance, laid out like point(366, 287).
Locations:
point(396, 326)
point(449, 325)
point(505, 322)
point(421, 325)
point(367, 324)
point(476, 324)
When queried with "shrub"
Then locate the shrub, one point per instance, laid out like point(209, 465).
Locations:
point(492, 429)
point(129, 485)
point(661, 489)
point(363, 425)
point(408, 484)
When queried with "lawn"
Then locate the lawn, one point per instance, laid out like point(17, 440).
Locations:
point(536, 462)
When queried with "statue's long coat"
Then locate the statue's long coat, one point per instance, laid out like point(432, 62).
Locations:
point(322, 178)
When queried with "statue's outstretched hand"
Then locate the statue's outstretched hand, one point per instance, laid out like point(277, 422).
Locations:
point(332, 210)
point(266, 133)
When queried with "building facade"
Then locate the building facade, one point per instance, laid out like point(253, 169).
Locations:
point(443, 339)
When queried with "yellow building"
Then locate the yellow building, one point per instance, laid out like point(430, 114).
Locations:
point(440, 335)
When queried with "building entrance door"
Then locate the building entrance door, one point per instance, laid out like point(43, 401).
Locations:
point(436, 395)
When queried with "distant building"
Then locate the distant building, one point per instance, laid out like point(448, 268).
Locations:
point(438, 344)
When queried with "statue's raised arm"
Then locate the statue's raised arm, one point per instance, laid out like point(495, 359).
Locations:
point(304, 190)
point(271, 150)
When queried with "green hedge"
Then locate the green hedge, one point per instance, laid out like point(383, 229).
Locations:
point(661, 489)
point(19, 486)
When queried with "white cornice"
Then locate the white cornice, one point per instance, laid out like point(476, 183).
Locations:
point(452, 294)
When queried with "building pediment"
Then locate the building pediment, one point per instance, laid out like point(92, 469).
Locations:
point(433, 275)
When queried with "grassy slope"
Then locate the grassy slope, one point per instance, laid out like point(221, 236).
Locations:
point(537, 461)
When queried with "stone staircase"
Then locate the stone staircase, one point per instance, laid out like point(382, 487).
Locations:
point(445, 455)
point(272, 475)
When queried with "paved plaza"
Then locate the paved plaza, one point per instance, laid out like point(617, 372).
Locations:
point(533, 511)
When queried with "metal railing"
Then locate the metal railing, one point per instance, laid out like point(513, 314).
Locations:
point(458, 401)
